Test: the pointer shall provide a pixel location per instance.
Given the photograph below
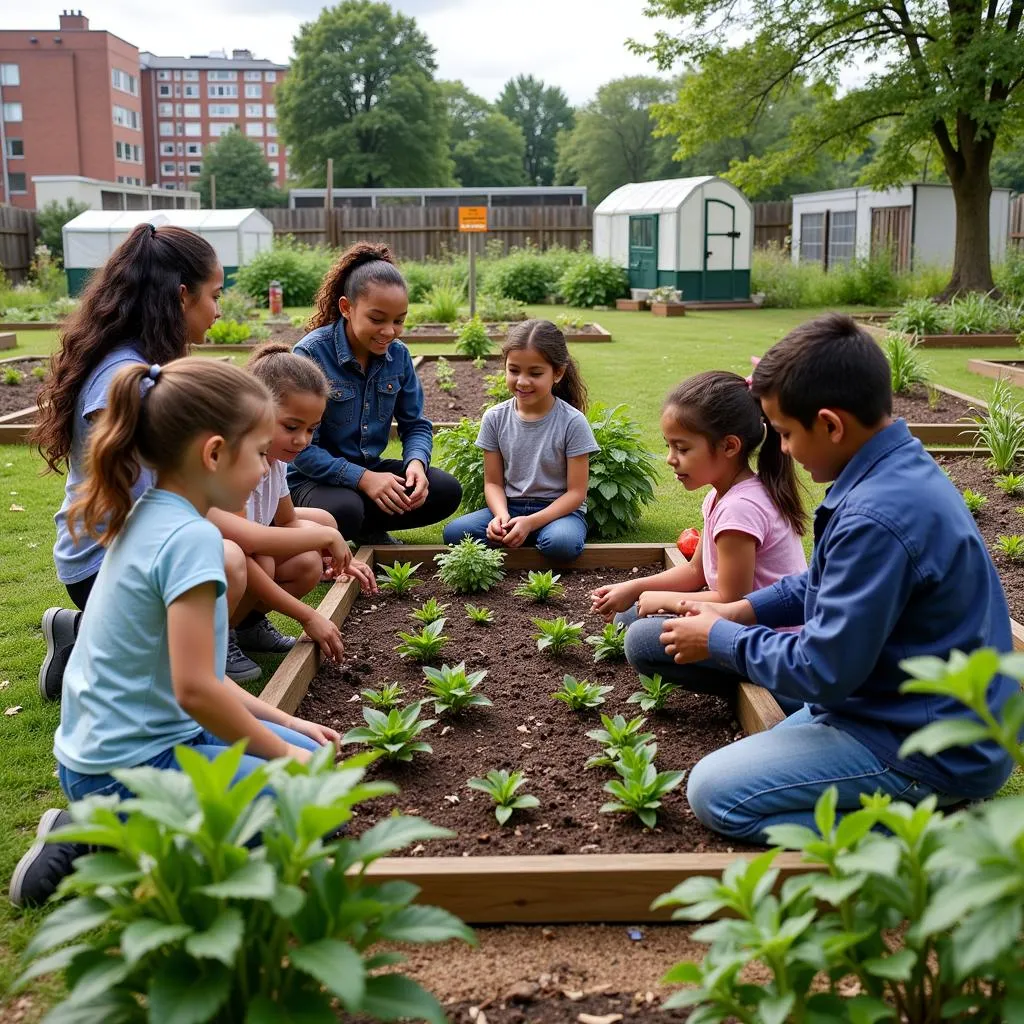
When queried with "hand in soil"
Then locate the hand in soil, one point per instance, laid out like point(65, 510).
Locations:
point(326, 634)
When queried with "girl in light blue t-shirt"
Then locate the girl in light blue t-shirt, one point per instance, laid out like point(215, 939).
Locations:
point(147, 670)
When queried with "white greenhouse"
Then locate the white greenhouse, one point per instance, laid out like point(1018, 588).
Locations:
point(692, 234)
point(89, 239)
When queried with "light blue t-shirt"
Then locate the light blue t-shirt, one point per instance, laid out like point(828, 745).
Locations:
point(118, 707)
point(77, 562)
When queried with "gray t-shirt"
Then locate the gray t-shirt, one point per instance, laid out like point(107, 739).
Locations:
point(534, 452)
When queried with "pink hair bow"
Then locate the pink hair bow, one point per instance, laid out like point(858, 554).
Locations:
point(754, 360)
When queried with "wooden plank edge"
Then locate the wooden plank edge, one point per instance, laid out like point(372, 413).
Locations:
point(1018, 635)
point(12, 417)
point(8, 340)
point(944, 433)
point(15, 433)
point(595, 556)
point(981, 405)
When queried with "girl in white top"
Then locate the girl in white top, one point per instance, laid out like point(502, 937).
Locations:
point(288, 550)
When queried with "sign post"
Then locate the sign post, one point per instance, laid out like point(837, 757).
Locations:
point(472, 221)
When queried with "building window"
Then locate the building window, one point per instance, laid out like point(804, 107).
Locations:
point(812, 237)
point(254, 110)
point(12, 112)
point(193, 110)
point(222, 76)
point(166, 128)
point(254, 92)
point(163, 90)
point(165, 109)
point(254, 129)
point(223, 110)
point(271, 110)
point(190, 76)
point(163, 76)
point(253, 76)
point(842, 236)
point(123, 81)
point(270, 76)
point(272, 128)
point(271, 149)
point(216, 92)
point(275, 168)
point(16, 148)
point(194, 170)
point(221, 128)
point(177, 76)
point(10, 74)
point(193, 149)
point(16, 182)
point(193, 130)
point(191, 92)
point(166, 168)
point(167, 149)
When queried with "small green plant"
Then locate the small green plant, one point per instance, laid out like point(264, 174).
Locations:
point(259, 332)
point(473, 339)
point(905, 367)
point(501, 787)
point(40, 372)
point(236, 305)
point(1012, 547)
point(298, 319)
point(581, 694)
point(610, 643)
point(1002, 430)
point(228, 332)
point(569, 324)
point(394, 734)
point(666, 293)
point(640, 786)
point(1011, 484)
point(443, 301)
point(557, 635)
point(424, 645)
point(444, 374)
point(399, 578)
point(470, 566)
point(457, 452)
point(479, 615)
point(387, 697)
point(497, 307)
point(428, 612)
point(540, 587)
point(13, 377)
point(496, 388)
point(453, 688)
point(918, 317)
point(975, 502)
point(933, 395)
point(617, 735)
point(653, 693)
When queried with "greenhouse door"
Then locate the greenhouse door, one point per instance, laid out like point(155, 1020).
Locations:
point(720, 236)
point(643, 252)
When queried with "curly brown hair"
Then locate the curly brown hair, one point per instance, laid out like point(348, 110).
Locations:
point(135, 298)
point(359, 266)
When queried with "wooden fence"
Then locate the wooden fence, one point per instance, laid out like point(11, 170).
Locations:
point(18, 232)
point(773, 224)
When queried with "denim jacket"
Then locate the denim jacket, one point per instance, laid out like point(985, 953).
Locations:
point(357, 422)
point(899, 570)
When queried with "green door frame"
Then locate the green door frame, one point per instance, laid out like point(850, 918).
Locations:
point(643, 259)
point(732, 235)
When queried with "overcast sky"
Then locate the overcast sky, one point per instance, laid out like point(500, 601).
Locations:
point(576, 44)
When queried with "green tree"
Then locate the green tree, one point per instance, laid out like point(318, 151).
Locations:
point(948, 71)
point(51, 220)
point(243, 176)
point(486, 147)
point(541, 112)
point(361, 90)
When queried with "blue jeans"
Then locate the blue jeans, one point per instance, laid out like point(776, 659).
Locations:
point(561, 540)
point(78, 786)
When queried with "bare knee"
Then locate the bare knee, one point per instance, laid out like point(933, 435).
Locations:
point(301, 573)
point(236, 572)
point(316, 515)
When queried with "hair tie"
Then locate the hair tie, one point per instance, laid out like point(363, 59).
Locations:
point(152, 234)
point(154, 372)
point(754, 360)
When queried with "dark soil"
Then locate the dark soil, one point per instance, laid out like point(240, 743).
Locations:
point(923, 405)
point(556, 1008)
point(525, 729)
point(19, 396)
point(1000, 516)
point(470, 390)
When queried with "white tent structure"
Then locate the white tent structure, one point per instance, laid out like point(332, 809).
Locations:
point(692, 234)
point(90, 238)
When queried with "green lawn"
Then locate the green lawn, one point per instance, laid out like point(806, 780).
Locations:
point(648, 356)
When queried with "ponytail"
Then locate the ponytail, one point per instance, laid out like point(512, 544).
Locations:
point(544, 337)
point(777, 473)
point(286, 373)
point(359, 266)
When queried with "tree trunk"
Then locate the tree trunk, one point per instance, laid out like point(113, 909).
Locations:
point(972, 262)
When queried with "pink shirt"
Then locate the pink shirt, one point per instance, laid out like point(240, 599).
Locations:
point(747, 508)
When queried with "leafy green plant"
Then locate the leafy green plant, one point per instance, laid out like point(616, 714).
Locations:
point(581, 694)
point(617, 735)
point(496, 389)
point(428, 612)
point(501, 787)
point(977, 313)
point(1011, 484)
point(13, 376)
point(640, 786)
point(470, 566)
point(540, 587)
point(666, 293)
point(228, 332)
point(424, 645)
point(399, 578)
point(181, 917)
point(298, 268)
point(479, 615)
point(975, 502)
point(457, 452)
point(905, 367)
point(1012, 547)
point(567, 323)
point(496, 308)
point(591, 281)
point(918, 317)
point(524, 275)
point(453, 688)
point(473, 339)
point(653, 693)
point(443, 302)
point(444, 375)
point(236, 305)
point(298, 320)
point(1002, 430)
point(387, 697)
point(258, 332)
point(610, 643)
point(394, 734)
point(557, 635)
point(40, 372)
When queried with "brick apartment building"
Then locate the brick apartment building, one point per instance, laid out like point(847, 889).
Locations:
point(70, 103)
point(190, 102)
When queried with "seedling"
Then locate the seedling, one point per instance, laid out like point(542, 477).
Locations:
point(1011, 484)
point(1002, 430)
point(398, 578)
point(394, 733)
point(453, 688)
point(975, 502)
point(473, 339)
point(640, 786)
point(470, 566)
point(557, 635)
point(39, 372)
point(653, 693)
point(905, 367)
point(479, 615)
point(496, 388)
point(387, 697)
point(540, 587)
point(424, 645)
point(428, 612)
point(13, 377)
point(581, 694)
point(617, 736)
point(501, 787)
point(1012, 547)
point(444, 374)
point(610, 643)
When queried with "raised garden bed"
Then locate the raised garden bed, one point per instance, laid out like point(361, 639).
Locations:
point(438, 333)
point(1011, 369)
point(30, 325)
point(631, 305)
point(1001, 340)
point(16, 398)
point(939, 415)
point(8, 340)
point(278, 332)
point(668, 308)
point(445, 408)
point(495, 885)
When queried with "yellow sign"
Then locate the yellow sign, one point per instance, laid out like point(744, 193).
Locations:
point(472, 218)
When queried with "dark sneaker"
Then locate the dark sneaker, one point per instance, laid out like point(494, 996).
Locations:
point(41, 870)
point(240, 668)
point(59, 630)
point(263, 637)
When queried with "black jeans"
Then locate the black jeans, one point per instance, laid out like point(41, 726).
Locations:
point(358, 517)
point(79, 592)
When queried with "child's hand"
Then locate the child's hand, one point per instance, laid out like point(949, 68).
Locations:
point(517, 529)
point(339, 553)
point(686, 640)
point(497, 528)
point(319, 733)
point(362, 572)
point(300, 754)
point(655, 602)
point(607, 601)
point(322, 631)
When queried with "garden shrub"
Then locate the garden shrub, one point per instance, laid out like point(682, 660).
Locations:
point(524, 275)
point(46, 274)
point(473, 339)
point(498, 309)
point(1009, 275)
point(443, 303)
point(299, 269)
point(50, 221)
point(591, 281)
point(179, 919)
point(457, 452)
point(418, 280)
point(235, 304)
point(228, 332)
point(918, 316)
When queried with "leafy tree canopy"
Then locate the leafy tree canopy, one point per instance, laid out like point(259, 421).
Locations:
point(486, 147)
point(541, 112)
point(243, 176)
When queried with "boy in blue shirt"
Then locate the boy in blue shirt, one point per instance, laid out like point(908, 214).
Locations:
point(899, 570)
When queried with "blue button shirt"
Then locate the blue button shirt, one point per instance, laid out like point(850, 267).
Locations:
point(899, 570)
point(357, 422)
